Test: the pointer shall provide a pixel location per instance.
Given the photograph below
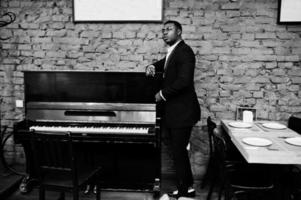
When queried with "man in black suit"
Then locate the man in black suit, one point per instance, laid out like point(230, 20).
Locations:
point(181, 109)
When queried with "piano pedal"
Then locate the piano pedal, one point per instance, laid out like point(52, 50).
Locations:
point(87, 189)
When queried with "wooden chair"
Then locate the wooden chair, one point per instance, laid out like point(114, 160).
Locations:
point(240, 180)
point(210, 166)
point(293, 177)
point(232, 156)
point(294, 122)
point(57, 165)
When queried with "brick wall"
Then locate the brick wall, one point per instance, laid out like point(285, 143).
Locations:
point(243, 56)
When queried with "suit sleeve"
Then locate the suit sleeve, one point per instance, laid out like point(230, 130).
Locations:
point(185, 71)
point(159, 65)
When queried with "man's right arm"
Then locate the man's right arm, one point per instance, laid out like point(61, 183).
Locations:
point(150, 70)
point(158, 66)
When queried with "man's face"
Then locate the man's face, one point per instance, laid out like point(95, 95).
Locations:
point(170, 33)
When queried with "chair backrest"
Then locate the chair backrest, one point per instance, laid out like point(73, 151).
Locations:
point(217, 141)
point(294, 122)
point(210, 126)
point(220, 146)
point(54, 152)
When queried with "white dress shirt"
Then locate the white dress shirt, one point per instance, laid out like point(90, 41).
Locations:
point(169, 50)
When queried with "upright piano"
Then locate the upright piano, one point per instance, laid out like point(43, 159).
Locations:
point(112, 115)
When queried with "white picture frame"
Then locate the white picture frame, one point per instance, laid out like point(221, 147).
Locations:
point(117, 10)
point(289, 11)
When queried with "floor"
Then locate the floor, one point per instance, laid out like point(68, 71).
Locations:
point(8, 181)
point(167, 185)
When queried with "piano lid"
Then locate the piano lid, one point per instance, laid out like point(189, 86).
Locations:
point(83, 86)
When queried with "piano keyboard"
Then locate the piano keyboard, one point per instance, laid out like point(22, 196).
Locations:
point(106, 129)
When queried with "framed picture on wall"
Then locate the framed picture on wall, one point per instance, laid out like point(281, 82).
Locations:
point(117, 10)
point(289, 11)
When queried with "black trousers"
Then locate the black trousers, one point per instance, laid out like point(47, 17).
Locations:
point(179, 139)
point(31, 171)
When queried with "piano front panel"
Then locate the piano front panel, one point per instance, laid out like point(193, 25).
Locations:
point(90, 86)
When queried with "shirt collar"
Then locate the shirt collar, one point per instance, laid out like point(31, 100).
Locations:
point(169, 49)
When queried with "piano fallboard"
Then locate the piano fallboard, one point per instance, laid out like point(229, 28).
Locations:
point(91, 112)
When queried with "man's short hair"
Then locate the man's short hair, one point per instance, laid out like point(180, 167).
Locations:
point(177, 24)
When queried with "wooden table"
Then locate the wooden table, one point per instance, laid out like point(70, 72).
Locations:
point(279, 152)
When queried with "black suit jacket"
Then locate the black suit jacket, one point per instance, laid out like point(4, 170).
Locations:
point(181, 108)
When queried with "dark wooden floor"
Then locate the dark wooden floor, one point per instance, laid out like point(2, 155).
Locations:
point(7, 177)
point(167, 185)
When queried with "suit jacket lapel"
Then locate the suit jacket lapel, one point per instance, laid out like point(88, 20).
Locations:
point(170, 56)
